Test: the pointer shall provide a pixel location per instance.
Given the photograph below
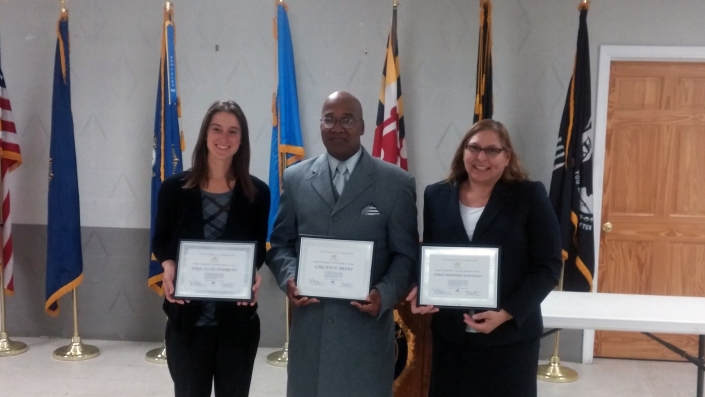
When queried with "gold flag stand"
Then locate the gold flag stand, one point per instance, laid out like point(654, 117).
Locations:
point(76, 351)
point(553, 371)
point(7, 346)
point(281, 358)
point(157, 356)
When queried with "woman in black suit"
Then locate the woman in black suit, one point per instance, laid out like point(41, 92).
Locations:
point(212, 342)
point(488, 200)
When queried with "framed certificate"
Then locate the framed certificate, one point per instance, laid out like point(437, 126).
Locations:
point(337, 269)
point(215, 270)
point(459, 277)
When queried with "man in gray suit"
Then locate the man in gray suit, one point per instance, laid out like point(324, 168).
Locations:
point(338, 348)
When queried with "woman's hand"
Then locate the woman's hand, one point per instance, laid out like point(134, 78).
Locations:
point(169, 267)
point(486, 322)
point(255, 289)
point(419, 309)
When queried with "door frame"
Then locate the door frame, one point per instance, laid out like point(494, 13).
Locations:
point(608, 54)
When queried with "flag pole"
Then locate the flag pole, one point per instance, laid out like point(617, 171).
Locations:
point(76, 351)
point(280, 358)
point(158, 355)
point(554, 372)
point(7, 346)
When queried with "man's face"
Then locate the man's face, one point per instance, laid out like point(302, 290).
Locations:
point(341, 125)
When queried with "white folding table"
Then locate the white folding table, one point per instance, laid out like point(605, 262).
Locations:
point(623, 312)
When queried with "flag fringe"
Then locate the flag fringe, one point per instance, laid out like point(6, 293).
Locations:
point(153, 284)
point(54, 298)
point(64, 17)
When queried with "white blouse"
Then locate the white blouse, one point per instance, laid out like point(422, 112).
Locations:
point(470, 217)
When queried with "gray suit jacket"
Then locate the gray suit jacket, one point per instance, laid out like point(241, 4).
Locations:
point(335, 350)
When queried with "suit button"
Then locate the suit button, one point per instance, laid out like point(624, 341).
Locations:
point(330, 321)
point(335, 218)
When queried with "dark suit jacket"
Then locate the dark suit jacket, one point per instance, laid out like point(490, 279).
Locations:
point(519, 218)
point(180, 216)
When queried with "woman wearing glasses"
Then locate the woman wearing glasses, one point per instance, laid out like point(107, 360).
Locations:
point(212, 343)
point(488, 200)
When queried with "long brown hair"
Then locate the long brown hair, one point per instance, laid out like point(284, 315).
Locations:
point(239, 171)
point(514, 172)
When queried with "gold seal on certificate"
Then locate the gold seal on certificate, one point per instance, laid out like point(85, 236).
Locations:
point(338, 269)
point(459, 277)
point(215, 270)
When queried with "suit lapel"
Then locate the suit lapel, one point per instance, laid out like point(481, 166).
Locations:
point(498, 199)
point(455, 223)
point(321, 180)
point(361, 178)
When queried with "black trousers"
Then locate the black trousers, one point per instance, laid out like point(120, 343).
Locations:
point(212, 355)
point(463, 370)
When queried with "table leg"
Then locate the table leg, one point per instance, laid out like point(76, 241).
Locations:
point(701, 370)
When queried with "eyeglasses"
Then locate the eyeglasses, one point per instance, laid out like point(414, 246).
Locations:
point(490, 151)
point(345, 122)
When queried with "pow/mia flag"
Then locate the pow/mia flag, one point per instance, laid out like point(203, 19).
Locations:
point(571, 183)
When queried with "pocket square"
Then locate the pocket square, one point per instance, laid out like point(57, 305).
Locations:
point(370, 210)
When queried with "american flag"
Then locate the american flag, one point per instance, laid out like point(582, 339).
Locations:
point(10, 158)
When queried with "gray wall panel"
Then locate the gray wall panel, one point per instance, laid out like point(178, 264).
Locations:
point(114, 301)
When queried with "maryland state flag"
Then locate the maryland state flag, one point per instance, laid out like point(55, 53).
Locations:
point(484, 105)
point(287, 145)
point(168, 141)
point(390, 146)
point(389, 143)
point(64, 257)
point(571, 183)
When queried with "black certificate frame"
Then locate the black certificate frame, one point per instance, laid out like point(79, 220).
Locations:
point(220, 299)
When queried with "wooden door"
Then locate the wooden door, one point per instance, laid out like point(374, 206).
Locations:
point(653, 194)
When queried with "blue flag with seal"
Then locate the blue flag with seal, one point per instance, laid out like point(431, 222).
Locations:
point(287, 145)
point(168, 142)
point(64, 256)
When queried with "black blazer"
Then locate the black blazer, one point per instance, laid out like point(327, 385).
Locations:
point(519, 218)
point(180, 216)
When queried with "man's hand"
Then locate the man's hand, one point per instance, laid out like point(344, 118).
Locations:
point(486, 322)
point(293, 293)
point(374, 303)
point(169, 267)
point(419, 309)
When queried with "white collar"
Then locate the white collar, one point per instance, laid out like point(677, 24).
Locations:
point(349, 163)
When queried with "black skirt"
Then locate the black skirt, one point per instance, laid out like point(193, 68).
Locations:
point(464, 370)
